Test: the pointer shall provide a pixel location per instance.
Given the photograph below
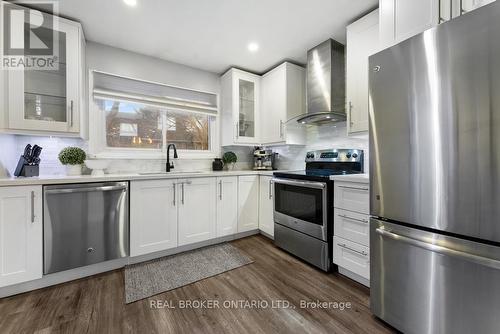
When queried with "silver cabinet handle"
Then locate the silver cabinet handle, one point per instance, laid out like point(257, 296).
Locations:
point(174, 186)
point(462, 10)
point(270, 189)
point(353, 250)
point(351, 218)
point(220, 190)
point(440, 19)
point(32, 207)
point(182, 195)
point(71, 112)
point(350, 113)
point(485, 261)
point(84, 190)
point(281, 128)
point(237, 130)
point(356, 188)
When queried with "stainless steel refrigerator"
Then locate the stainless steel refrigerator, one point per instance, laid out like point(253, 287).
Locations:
point(435, 178)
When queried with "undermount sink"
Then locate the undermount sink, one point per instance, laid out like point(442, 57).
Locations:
point(170, 173)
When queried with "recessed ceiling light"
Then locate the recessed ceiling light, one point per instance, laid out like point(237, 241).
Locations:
point(131, 3)
point(253, 47)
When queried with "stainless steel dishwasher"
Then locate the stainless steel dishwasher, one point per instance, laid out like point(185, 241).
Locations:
point(84, 224)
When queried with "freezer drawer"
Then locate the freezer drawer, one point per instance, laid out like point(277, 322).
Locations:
point(84, 224)
point(423, 282)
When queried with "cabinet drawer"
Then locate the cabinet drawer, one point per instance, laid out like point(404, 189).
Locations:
point(351, 256)
point(352, 196)
point(352, 226)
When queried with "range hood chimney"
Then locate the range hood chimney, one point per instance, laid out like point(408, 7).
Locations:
point(325, 84)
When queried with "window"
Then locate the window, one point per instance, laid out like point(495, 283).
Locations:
point(143, 117)
point(188, 131)
point(132, 125)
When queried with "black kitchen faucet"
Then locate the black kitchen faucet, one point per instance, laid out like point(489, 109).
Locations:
point(170, 165)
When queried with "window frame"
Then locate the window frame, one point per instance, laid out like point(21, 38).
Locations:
point(97, 133)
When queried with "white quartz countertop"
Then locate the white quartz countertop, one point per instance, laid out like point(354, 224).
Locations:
point(62, 179)
point(360, 178)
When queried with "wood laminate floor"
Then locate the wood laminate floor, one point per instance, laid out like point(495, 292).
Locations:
point(96, 304)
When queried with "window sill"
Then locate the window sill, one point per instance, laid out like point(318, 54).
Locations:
point(156, 155)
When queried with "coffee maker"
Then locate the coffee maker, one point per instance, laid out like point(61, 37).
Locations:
point(264, 159)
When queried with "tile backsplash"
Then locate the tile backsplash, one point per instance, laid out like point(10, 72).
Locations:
point(290, 157)
point(322, 137)
point(13, 147)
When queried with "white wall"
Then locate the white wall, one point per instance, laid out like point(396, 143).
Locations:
point(116, 61)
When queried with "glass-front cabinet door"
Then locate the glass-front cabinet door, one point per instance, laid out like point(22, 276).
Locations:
point(46, 97)
point(247, 107)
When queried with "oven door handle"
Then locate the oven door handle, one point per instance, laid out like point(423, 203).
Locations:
point(306, 184)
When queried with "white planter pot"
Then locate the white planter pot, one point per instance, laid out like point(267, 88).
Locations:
point(73, 170)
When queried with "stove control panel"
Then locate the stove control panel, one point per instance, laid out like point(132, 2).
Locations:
point(335, 155)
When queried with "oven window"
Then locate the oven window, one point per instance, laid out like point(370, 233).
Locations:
point(299, 202)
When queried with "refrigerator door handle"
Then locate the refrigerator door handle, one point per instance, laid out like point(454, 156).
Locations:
point(481, 260)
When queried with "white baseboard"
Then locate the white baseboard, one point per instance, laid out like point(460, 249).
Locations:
point(354, 276)
point(73, 274)
point(267, 235)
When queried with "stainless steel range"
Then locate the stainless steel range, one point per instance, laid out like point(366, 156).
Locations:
point(303, 204)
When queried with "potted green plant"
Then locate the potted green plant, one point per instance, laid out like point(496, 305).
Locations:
point(229, 159)
point(72, 158)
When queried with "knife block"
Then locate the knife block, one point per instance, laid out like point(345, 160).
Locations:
point(25, 169)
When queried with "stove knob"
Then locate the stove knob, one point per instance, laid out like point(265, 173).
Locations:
point(354, 155)
point(348, 155)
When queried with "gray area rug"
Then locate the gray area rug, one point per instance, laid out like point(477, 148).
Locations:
point(146, 279)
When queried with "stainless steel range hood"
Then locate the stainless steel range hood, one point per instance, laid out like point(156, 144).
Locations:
point(325, 84)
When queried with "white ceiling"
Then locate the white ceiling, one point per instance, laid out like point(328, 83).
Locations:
point(213, 34)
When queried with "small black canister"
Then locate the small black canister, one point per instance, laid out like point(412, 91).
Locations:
point(217, 164)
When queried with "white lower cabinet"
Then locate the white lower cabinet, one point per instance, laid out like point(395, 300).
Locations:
point(248, 203)
point(197, 210)
point(352, 256)
point(352, 226)
point(227, 205)
point(352, 196)
point(153, 216)
point(165, 214)
point(21, 234)
point(266, 219)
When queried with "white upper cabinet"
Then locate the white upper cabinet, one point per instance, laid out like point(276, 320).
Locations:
point(227, 205)
point(248, 206)
point(362, 42)
point(402, 19)
point(468, 5)
point(266, 215)
point(153, 216)
point(51, 99)
point(197, 210)
point(283, 98)
point(240, 108)
point(21, 234)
